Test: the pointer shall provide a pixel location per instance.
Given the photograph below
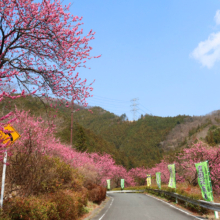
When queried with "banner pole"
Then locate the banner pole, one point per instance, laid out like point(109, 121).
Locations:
point(176, 198)
point(216, 215)
point(210, 182)
point(175, 184)
point(205, 183)
point(3, 178)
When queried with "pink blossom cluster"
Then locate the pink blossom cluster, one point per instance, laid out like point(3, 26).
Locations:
point(199, 152)
point(38, 136)
point(185, 165)
point(139, 175)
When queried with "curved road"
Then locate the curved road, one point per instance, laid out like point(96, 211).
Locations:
point(136, 206)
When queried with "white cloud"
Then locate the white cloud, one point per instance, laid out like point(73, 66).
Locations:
point(217, 17)
point(208, 51)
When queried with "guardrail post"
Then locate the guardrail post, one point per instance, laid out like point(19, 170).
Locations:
point(216, 215)
point(176, 198)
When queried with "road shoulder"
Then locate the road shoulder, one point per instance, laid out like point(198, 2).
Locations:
point(99, 210)
point(180, 208)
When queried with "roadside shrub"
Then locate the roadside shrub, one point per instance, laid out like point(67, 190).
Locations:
point(29, 175)
point(30, 208)
point(90, 173)
point(70, 205)
point(96, 193)
point(56, 174)
point(61, 205)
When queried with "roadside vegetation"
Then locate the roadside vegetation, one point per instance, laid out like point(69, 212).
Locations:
point(42, 182)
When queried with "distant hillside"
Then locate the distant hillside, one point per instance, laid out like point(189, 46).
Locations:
point(139, 143)
point(140, 140)
point(206, 128)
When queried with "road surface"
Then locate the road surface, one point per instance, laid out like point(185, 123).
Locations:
point(137, 206)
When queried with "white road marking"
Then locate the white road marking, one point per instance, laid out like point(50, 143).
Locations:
point(108, 208)
point(174, 207)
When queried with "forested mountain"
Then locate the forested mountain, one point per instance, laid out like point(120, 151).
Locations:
point(139, 140)
point(131, 143)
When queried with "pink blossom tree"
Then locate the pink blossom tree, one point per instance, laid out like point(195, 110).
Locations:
point(197, 153)
point(119, 172)
point(139, 174)
point(163, 168)
point(41, 46)
point(185, 165)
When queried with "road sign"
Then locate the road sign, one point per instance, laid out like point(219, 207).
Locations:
point(12, 136)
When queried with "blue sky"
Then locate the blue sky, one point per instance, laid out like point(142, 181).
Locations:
point(165, 53)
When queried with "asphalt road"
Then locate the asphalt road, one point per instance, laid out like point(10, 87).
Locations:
point(137, 206)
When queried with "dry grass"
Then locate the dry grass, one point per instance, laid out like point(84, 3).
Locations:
point(89, 208)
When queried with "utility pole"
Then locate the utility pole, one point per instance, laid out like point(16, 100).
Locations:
point(71, 126)
point(72, 111)
point(134, 109)
point(71, 130)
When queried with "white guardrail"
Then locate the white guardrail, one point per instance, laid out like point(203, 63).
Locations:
point(209, 205)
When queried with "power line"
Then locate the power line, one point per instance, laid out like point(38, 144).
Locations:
point(146, 108)
point(108, 103)
point(116, 105)
point(108, 99)
point(142, 111)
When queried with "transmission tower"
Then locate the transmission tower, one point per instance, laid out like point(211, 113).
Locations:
point(134, 109)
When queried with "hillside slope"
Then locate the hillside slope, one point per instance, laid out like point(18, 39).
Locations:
point(132, 144)
point(140, 140)
point(83, 139)
point(205, 128)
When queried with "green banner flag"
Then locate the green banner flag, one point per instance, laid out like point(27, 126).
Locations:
point(158, 179)
point(172, 181)
point(122, 183)
point(108, 184)
point(204, 180)
point(148, 180)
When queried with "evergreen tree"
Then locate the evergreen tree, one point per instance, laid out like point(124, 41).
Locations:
point(80, 139)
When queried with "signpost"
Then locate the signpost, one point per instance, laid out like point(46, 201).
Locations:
point(108, 184)
point(122, 184)
point(9, 138)
point(158, 179)
point(172, 181)
point(148, 180)
point(204, 181)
